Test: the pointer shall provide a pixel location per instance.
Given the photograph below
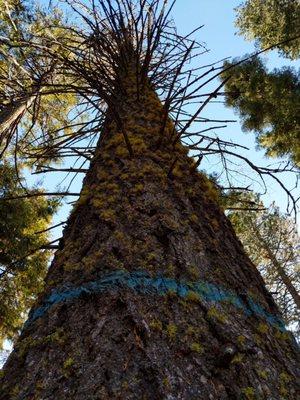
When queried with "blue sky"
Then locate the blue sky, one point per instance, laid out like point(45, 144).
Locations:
point(219, 35)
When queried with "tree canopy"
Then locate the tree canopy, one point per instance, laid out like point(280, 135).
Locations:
point(269, 22)
point(23, 255)
point(29, 79)
point(49, 63)
point(25, 116)
point(272, 242)
point(268, 101)
point(268, 104)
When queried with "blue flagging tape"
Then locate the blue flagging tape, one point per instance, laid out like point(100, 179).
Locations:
point(141, 282)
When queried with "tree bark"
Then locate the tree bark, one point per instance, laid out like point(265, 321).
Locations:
point(10, 115)
point(151, 295)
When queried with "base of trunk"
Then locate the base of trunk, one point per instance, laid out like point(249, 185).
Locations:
point(125, 343)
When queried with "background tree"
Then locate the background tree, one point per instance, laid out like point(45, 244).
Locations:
point(24, 116)
point(29, 79)
point(267, 101)
point(272, 243)
point(269, 22)
point(23, 255)
point(268, 104)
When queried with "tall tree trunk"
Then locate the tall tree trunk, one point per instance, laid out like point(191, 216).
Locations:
point(10, 116)
point(151, 295)
point(278, 267)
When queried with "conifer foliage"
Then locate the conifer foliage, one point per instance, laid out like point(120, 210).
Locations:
point(270, 22)
point(23, 254)
point(268, 103)
point(271, 240)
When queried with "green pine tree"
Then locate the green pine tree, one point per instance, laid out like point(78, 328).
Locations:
point(269, 22)
point(23, 259)
point(268, 103)
point(272, 242)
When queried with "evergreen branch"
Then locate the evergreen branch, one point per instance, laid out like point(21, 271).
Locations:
point(49, 229)
point(29, 195)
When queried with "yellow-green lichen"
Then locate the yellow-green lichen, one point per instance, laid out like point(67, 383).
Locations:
point(121, 152)
point(108, 215)
point(69, 362)
point(137, 189)
point(171, 293)
point(177, 172)
point(238, 358)
point(193, 218)
point(194, 272)
point(262, 373)
point(138, 144)
point(170, 270)
point(84, 196)
point(191, 191)
point(209, 188)
point(156, 325)
point(262, 328)
point(283, 336)
point(196, 347)
point(125, 385)
point(57, 337)
point(258, 339)
point(215, 314)
point(241, 340)
point(39, 386)
point(70, 266)
point(171, 331)
point(15, 391)
point(193, 330)
point(193, 296)
point(284, 380)
point(67, 367)
point(151, 257)
point(120, 236)
point(166, 382)
point(169, 222)
point(249, 393)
